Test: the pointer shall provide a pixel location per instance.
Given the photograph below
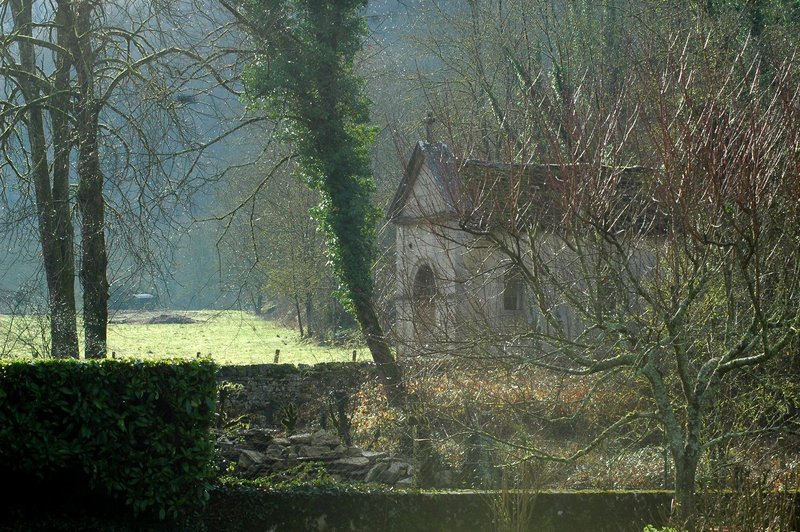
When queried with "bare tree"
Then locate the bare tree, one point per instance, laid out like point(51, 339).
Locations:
point(270, 246)
point(656, 247)
point(29, 101)
point(119, 91)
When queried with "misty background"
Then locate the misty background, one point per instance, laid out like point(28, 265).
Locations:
point(206, 248)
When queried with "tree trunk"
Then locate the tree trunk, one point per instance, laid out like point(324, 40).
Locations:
point(685, 509)
point(299, 316)
point(52, 204)
point(309, 312)
point(347, 215)
point(63, 309)
point(90, 188)
point(94, 260)
point(258, 303)
point(381, 353)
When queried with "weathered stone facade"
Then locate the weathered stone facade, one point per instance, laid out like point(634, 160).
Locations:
point(446, 278)
point(460, 255)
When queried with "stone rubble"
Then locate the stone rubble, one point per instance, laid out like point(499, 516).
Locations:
point(260, 453)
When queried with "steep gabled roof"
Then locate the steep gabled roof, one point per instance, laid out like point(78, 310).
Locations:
point(510, 196)
point(438, 157)
point(484, 194)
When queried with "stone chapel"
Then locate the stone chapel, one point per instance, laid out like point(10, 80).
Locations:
point(448, 277)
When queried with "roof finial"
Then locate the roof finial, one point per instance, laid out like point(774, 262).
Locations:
point(429, 120)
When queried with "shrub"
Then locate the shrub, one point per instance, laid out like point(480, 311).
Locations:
point(289, 418)
point(375, 424)
point(136, 432)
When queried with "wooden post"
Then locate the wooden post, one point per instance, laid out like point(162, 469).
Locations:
point(277, 356)
point(354, 355)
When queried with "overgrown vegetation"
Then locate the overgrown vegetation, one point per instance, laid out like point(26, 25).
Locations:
point(645, 211)
point(484, 419)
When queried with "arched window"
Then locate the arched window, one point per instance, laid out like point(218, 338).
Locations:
point(423, 304)
point(512, 291)
point(424, 283)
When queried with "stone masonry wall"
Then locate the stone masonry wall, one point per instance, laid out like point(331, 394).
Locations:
point(264, 390)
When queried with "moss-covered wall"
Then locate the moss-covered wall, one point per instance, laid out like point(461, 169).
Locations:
point(249, 509)
point(267, 388)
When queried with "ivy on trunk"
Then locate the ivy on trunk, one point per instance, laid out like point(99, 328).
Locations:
point(303, 77)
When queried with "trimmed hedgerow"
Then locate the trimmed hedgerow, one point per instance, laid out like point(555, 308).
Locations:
point(133, 432)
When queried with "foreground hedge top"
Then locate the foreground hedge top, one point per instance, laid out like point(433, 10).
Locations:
point(205, 362)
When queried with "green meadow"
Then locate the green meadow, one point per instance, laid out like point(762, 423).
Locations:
point(229, 337)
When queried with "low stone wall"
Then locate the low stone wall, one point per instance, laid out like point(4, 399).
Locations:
point(247, 508)
point(267, 388)
point(259, 453)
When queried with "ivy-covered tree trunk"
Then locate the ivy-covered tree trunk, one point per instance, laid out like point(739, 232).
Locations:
point(349, 219)
point(305, 72)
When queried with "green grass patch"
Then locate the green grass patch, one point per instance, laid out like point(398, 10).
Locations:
point(228, 337)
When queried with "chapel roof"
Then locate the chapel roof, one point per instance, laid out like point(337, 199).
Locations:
point(438, 157)
point(485, 194)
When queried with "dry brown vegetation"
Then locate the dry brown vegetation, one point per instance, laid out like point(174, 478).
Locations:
point(487, 421)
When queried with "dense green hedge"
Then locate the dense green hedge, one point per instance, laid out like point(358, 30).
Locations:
point(133, 432)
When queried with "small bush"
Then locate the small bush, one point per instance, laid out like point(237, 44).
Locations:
point(289, 418)
point(228, 393)
point(136, 432)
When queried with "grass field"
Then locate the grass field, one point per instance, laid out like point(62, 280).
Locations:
point(229, 337)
